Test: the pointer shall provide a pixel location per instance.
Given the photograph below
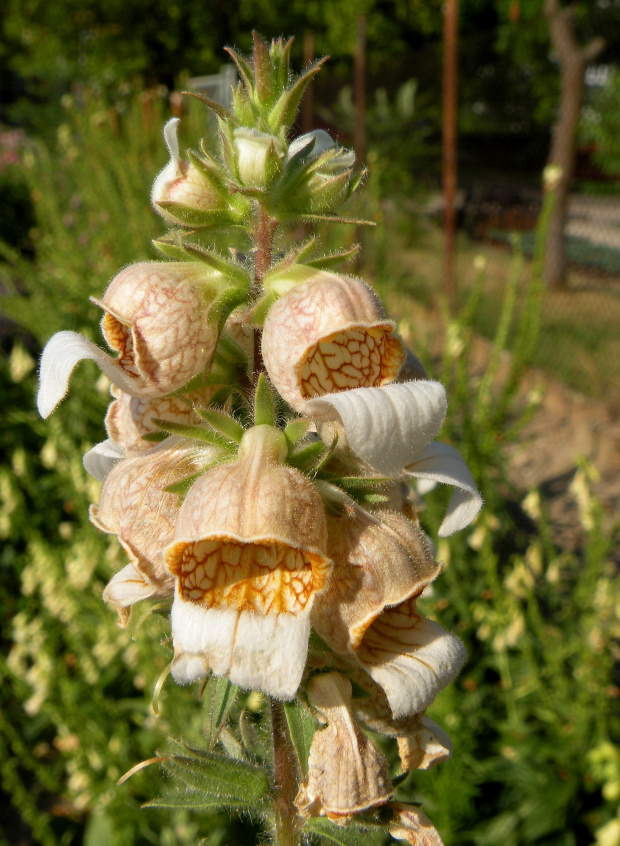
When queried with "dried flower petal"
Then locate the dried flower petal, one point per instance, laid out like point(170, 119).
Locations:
point(412, 825)
point(346, 772)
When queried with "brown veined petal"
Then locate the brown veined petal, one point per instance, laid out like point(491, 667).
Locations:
point(412, 658)
point(156, 320)
point(327, 335)
point(380, 560)
point(347, 774)
point(249, 550)
point(129, 586)
point(135, 506)
point(129, 419)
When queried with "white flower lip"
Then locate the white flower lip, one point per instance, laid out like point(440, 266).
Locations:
point(392, 428)
point(62, 352)
point(99, 460)
point(252, 650)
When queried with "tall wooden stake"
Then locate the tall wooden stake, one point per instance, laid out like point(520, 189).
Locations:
point(449, 172)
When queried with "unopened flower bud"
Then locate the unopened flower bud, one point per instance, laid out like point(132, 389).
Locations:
point(249, 557)
point(258, 157)
point(182, 182)
point(329, 335)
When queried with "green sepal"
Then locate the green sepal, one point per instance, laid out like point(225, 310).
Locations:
point(184, 485)
point(231, 745)
point(220, 694)
point(273, 164)
point(357, 483)
point(264, 82)
point(222, 423)
point(227, 149)
point(198, 217)
point(224, 781)
point(244, 68)
point(154, 437)
point(260, 309)
point(224, 305)
point(332, 192)
point(243, 108)
point(284, 112)
point(281, 57)
point(219, 110)
point(264, 406)
point(329, 832)
point(226, 267)
point(172, 249)
point(328, 454)
point(296, 430)
point(295, 255)
point(211, 173)
point(331, 261)
point(196, 433)
point(188, 799)
point(305, 457)
point(301, 725)
point(356, 180)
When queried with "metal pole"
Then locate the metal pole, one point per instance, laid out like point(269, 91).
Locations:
point(449, 174)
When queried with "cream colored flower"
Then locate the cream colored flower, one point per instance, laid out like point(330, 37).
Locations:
point(155, 320)
point(249, 556)
point(367, 613)
point(257, 157)
point(326, 335)
point(347, 774)
point(412, 825)
point(135, 506)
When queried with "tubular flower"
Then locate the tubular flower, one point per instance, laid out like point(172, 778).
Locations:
point(257, 157)
point(326, 335)
point(249, 556)
point(367, 613)
point(346, 772)
point(156, 320)
point(182, 189)
point(406, 416)
point(135, 506)
point(129, 418)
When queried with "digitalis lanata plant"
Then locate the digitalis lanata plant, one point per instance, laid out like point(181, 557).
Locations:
point(266, 422)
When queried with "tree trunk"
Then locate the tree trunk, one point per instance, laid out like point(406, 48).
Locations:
point(573, 63)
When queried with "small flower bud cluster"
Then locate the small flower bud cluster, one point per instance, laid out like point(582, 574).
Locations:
point(266, 420)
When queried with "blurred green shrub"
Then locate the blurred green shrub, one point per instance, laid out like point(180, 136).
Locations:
point(600, 125)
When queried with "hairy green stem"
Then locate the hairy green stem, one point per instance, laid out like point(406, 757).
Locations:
point(264, 235)
point(287, 778)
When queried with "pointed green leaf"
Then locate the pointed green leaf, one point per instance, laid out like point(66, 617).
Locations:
point(263, 71)
point(284, 63)
point(258, 313)
point(223, 265)
point(323, 218)
point(296, 430)
point(264, 407)
point(172, 249)
point(197, 217)
point(222, 423)
point(211, 172)
point(333, 260)
point(244, 68)
point(219, 696)
point(231, 781)
point(184, 485)
point(284, 111)
point(294, 255)
point(189, 799)
point(231, 745)
point(329, 832)
point(301, 725)
point(197, 433)
point(219, 110)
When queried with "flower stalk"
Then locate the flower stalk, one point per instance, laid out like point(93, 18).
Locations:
point(265, 423)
